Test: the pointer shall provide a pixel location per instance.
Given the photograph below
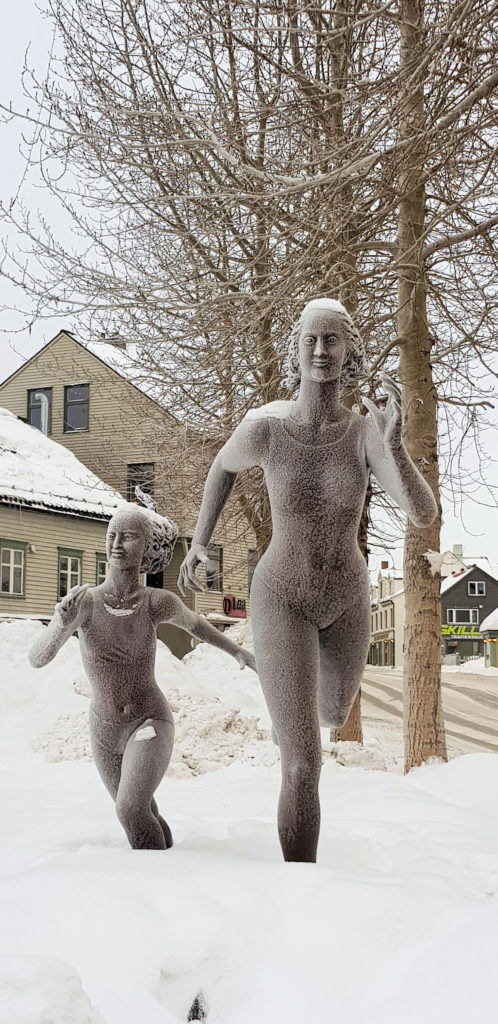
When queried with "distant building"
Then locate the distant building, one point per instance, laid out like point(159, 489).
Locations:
point(90, 400)
point(467, 598)
point(383, 620)
point(53, 520)
point(469, 593)
point(489, 630)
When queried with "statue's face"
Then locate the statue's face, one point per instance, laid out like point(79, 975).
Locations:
point(126, 539)
point(322, 345)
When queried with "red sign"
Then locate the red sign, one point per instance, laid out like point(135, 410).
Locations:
point(234, 607)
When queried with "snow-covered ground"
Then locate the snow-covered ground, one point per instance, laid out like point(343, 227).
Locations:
point(397, 923)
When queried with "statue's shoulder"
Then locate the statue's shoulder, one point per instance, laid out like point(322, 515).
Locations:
point(279, 410)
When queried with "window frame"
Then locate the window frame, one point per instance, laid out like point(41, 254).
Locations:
point(76, 430)
point(32, 391)
point(68, 553)
point(473, 617)
point(216, 589)
point(14, 545)
point(100, 556)
point(476, 584)
point(130, 494)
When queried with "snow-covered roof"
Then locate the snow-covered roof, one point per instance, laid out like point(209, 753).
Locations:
point(37, 472)
point(490, 622)
point(455, 577)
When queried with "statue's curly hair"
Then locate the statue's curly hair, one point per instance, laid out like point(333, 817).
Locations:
point(354, 365)
point(161, 535)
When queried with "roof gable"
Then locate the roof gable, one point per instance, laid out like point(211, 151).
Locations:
point(472, 572)
point(108, 355)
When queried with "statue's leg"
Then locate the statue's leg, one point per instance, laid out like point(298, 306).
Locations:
point(145, 760)
point(286, 648)
point(107, 760)
point(343, 656)
point(168, 838)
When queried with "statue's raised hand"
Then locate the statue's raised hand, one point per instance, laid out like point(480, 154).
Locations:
point(70, 605)
point(246, 659)
point(388, 421)
point(188, 570)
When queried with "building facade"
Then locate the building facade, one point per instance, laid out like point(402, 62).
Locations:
point(383, 639)
point(73, 395)
point(54, 514)
point(468, 595)
point(467, 598)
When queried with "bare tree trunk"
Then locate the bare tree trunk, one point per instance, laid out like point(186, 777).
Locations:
point(422, 709)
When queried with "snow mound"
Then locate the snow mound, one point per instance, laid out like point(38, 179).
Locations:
point(475, 666)
point(67, 740)
point(208, 736)
point(42, 990)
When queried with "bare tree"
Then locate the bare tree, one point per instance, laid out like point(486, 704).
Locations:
point(222, 162)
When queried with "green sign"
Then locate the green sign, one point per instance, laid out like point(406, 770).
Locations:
point(462, 632)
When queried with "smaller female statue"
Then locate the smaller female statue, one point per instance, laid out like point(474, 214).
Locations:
point(131, 724)
point(310, 605)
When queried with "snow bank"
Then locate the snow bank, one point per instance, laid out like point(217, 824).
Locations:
point(398, 921)
point(49, 706)
point(475, 666)
point(42, 990)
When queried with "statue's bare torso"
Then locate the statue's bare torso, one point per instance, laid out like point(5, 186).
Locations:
point(119, 661)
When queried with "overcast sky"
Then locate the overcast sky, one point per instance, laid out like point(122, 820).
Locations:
point(24, 26)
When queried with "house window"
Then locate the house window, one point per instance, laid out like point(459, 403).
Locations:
point(101, 568)
point(76, 405)
point(69, 571)
point(40, 409)
point(139, 474)
point(13, 563)
point(476, 588)
point(392, 618)
point(214, 567)
point(460, 616)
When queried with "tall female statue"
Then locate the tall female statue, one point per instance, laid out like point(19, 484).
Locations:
point(310, 604)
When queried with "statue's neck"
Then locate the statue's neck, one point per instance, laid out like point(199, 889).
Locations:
point(318, 403)
point(122, 582)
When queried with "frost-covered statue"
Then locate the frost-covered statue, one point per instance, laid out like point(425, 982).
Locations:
point(131, 724)
point(310, 604)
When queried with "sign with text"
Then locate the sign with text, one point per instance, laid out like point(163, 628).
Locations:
point(462, 632)
point(234, 607)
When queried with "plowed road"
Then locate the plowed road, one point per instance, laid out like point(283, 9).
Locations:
point(470, 704)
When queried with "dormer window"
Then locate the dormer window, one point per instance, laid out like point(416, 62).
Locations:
point(40, 409)
point(76, 405)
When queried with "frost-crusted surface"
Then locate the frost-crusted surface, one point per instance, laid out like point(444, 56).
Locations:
point(279, 409)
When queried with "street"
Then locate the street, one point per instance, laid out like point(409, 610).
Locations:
point(470, 704)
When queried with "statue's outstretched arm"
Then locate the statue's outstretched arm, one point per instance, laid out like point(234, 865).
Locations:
point(68, 615)
point(246, 448)
point(390, 463)
point(167, 607)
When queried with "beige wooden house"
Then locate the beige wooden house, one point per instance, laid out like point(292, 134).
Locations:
point(53, 520)
point(82, 398)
